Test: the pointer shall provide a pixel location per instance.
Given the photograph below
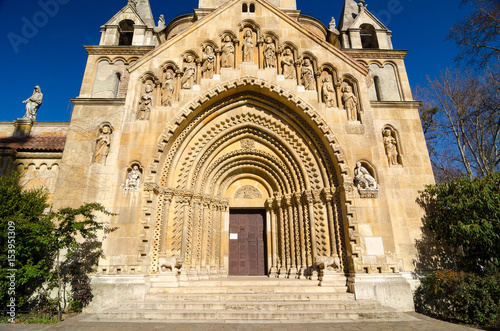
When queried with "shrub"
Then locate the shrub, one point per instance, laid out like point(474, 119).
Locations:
point(460, 297)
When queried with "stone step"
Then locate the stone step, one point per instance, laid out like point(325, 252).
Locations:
point(253, 305)
point(210, 297)
point(228, 315)
point(247, 289)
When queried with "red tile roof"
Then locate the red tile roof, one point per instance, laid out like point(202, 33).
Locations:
point(41, 143)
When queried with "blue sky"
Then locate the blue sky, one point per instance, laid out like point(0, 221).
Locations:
point(53, 55)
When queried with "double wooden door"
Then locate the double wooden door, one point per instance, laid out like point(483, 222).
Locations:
point(247, 244)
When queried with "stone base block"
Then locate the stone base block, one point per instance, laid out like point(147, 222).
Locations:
point(391, 290)
point(332, 278)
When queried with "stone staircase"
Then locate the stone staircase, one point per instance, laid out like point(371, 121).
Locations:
point(257, 299)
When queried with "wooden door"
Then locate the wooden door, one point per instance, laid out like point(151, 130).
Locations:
point(247, 249)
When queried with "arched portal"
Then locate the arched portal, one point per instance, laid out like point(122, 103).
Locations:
point(245, 148)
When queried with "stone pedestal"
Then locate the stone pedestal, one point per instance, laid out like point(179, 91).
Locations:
point(22, 127)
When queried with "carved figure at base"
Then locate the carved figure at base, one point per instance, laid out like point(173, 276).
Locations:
point(248, 46)
point(364, 180)
point(33, 103)
point(134, 179)
point(269, 54)
point(331, 263)
point(390, 146)
point(227, 55)
point(287, 64)
point(145, 103)
point(350, 103)
point(165, 263)
point(102, 145)
point(328, 92)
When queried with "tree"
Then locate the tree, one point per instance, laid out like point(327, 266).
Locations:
point(464, 214)
point(461, 121)
point(478, 36)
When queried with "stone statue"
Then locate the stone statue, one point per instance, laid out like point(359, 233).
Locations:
point(269, 53)
point(227, 56)
point(330, 263)
point(350, 103)
point(188, 78)
point(328, 92)
point(332, 25)
point(102, 145)
point(364, 180)
point(247, 46)
point(307, 74)
point(287, 64)
point(134, 179)
point(167, 92)
point(208, 67)
point(33, 103)
point(161, 21)
point(390, 146)
point(145, 103)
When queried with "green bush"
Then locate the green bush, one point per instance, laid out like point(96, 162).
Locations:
point(460, 297)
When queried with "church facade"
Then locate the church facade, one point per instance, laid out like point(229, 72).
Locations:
point(242, 139)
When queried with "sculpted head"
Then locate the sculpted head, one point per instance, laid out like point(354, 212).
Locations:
point(149, 88)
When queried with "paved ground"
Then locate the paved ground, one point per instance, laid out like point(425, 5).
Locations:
point(423, 323)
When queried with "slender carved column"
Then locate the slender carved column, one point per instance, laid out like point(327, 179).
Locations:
point(279, 56)
point(272, 249)
point(328, 195)
point(298, 202)
point(338, 232)
point(167, 200)
point(206, 236)
point(291, 237)
point(317, 74)
point(224, 205)
point(178, 75)
point(310, 205)
point(297, 71)
point(260, 52)
point(217, 61)
point(236, 52)
point(281, 227)
point(338, 92)
point(198, 71)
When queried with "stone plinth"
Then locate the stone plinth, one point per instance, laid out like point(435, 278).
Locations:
point(22, 127)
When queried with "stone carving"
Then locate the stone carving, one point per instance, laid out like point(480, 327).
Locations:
point(287, 64)
point(350, 103)
point(161, 21)
point(328, 262)
point(171, 263)
point(134, 179)
point(364, 180)
point(390, 146)
point(332, 25)
point(168, 89)
point(145, 103)
point(102, 145)
point(247, 192)
point(227, 56)
point(328, 92)
point(269, 53)
point(248, 46)
point(247, 143)
point(307, 75)
point(33, 103)
point(189, 76)
point(208, 68)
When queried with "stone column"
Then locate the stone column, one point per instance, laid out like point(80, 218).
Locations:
point(291, 238)
point(310, 205)
point(298, 65)
point(328, 196)
point(299, 206)
point(260, 52)
point(167, 200)
point(281, 227)
point(272, 249)
point(338, 93)
point(206, 237)
point(22, 127)
point(224, 206)
point(178, 76)
point(198, 71)
point(236, 44)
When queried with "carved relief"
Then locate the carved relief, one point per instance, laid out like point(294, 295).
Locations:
point(350, 102)
point(208, 67)
point(390, 146)
point(307, 75)
point(248, 192)
point(328, 91)
point(269, 53)
point(133, 180)
point(365, 181)
point(247, 143)
point(288, 64)
point(102, 144)
point(189, 73)
point(146, 102)
point(168, 89)
point(227, 54)
point(247, 47)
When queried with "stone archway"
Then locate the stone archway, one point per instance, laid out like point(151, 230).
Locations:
point(241, 137)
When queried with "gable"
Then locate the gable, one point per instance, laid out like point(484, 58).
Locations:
point(126, 13)
point(365, 17)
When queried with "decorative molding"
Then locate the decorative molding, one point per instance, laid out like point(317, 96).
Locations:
point(118, 50)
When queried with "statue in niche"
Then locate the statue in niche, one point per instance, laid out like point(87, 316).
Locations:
point(247, 46)
point(188, 78)
point(167, 92)
point(269, 53)
point(208, 68)
point(390, 146)
point(102, 145)
point(33, 103)
point(145, 103)
point(227, 56)
point(134, 179)
point(287, 64)
point(328, 92)
point(307, 75)
point(350, 103)
point(364, 179)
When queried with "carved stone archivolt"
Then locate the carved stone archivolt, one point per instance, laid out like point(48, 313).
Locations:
point(291, 159)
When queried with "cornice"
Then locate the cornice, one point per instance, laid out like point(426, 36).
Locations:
point(396, 104)
point(39, 155)
point(376, 53)
point(118, 50)
point(98, 101)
